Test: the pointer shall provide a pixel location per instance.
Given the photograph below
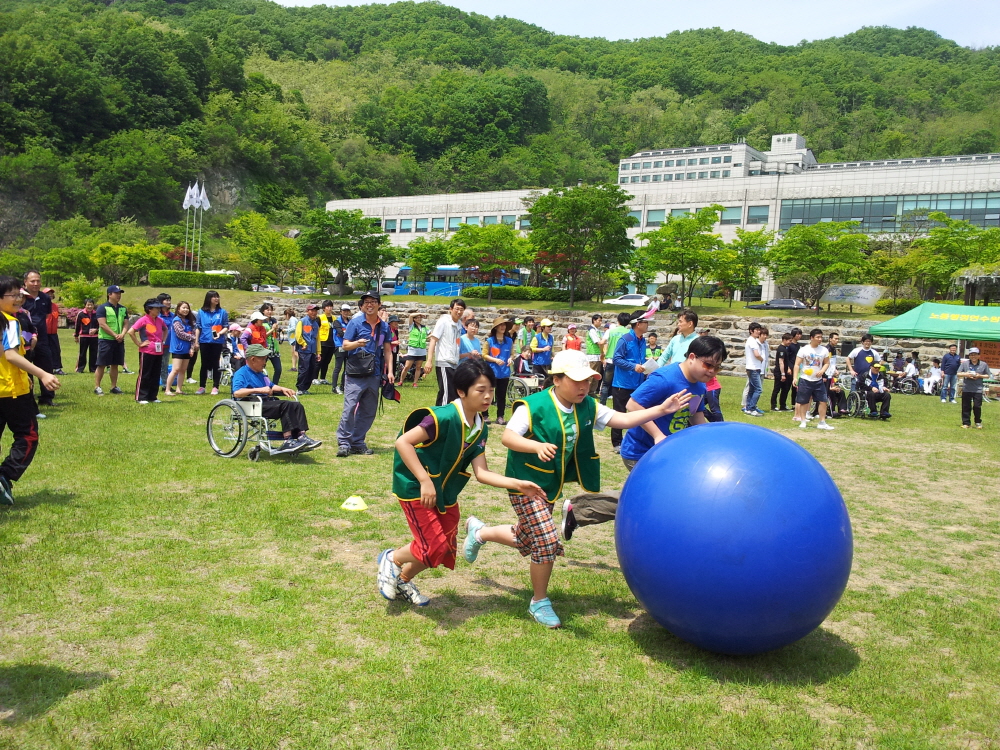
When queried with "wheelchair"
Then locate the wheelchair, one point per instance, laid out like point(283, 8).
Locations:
point(521, 386)
point(233, 423)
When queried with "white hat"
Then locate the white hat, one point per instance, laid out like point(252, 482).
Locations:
point(573, 364)
point(257, 315)
point(973, 350)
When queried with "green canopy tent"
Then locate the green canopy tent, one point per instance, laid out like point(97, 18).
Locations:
point(935, 321)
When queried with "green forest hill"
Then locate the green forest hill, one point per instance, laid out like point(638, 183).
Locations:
point(108, 109)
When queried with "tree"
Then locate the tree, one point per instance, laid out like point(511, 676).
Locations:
point(739, 263)
point(338, 239)
point(491, 250)
point(950, 246)
point(263, 248)
point(811, 257)
point(424, 255)
point(685, 246)
point(63, 263)
point(642, 268)
point(375, 254)
point(580, 229)
point(128, 263)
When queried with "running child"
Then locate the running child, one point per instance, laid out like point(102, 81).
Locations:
point(434, 453)
point(17, 404)
point(550, 440)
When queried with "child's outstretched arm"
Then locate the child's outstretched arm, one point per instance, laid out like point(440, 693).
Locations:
point(47, 379)
point(406, 447)
point(644, 417)
point(520, 486)
point(521, 444)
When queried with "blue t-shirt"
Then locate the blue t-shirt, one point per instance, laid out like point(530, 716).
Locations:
point(247, 378)
point(359, 328)
point(543, 358)
point(210, 323)
point(658, 387)
point(467, 346)
point(500, 350)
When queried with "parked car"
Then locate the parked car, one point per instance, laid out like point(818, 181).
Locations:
point(630, 300)
point(304, 289)
point(287, 290)
point(780, 304)
point(269, 288)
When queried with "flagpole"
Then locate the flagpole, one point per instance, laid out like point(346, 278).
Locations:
point(201, 224)
point(187, 216)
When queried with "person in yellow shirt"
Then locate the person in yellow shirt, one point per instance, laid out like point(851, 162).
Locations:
point(17, 404)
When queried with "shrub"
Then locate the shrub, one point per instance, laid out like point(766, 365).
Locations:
point(527, 293)
point(77, 291)
point(886, 306)
point(191, 279)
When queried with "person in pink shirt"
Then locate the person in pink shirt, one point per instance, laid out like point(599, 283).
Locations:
point(148, 334)
point(713, 410)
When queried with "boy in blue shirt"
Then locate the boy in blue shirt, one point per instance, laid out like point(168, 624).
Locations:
point(629, 357)
point(704, 358)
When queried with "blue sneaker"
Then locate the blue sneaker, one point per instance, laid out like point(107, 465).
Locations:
point(471, 548)
point(544, 614)
point(6, 491)
point(388, 574)
point(410, 593)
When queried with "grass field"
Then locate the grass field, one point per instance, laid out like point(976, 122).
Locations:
point(153, 595)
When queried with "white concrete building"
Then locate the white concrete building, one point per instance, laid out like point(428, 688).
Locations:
point(771, 189)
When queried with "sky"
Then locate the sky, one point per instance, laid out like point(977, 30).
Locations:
point(971, 23)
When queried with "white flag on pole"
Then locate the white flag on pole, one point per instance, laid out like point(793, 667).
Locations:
point(203, 199)
point(189, 198)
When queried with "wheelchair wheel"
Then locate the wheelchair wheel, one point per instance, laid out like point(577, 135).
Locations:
point(855, 404)
point(909, 387)
point(225, 378)
point(254, 453)
point(516, 391)
point(227, 428)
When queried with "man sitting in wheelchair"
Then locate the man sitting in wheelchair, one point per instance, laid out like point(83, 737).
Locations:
point(251, 381)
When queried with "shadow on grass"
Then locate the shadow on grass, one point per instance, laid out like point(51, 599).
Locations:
point(27, 690)
point(819, 657)
point(593, 565)
point(42, 497)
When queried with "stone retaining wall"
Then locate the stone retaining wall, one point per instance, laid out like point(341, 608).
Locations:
point(732, 328)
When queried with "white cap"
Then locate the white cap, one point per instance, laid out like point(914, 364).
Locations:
point(573, 364)
point(973, 350)
point(257, 315)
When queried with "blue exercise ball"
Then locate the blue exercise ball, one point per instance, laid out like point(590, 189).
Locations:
point(734, 538)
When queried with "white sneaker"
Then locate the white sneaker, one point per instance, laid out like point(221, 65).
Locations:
point(143, 403)
point(954, 401)
point(100, 392)
point(803, 424)
point(824, 426)
point(388, 574)
point(190, 381)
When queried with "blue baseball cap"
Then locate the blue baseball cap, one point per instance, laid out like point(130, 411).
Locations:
point(113, 289)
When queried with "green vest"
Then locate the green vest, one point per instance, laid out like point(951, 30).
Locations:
point(614, 334)
point(443, 457)
point(115, 320)
point(417, 338)
point(593, 349)
point(545, 425)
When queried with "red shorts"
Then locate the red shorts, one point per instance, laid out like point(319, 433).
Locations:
point(435, 534)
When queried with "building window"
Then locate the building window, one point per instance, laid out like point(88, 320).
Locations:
point(679, 176)
point(625, 167)
point(727, 159)
point(668, 177)
point(623, 180)
point(714, 174)
point(390, 225)
point(655, 217)
point(637, 215)
point(508, 220)
point(647, 165)
point(692, 162)
point(405, 225)
point(703, 160)
point(726, 173)
point(657, 165)
point(738, 164)
point(681, 211)
point(731, 215)
point(454, 223)
point(656, 178)
point(635, 178)
point(472, 220)
point(703, 175)
point(758, 214)
point(489, 221)
point(669, 163)
point(716, 160)
point(525, 222)
point(691, 175)
point(437, 225)
point(645, 178)
point(421, 225)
